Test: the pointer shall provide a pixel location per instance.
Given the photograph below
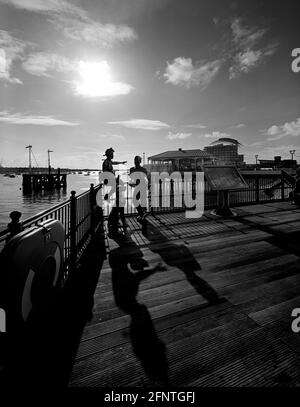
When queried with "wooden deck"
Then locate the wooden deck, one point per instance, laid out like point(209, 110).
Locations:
point(203, 302)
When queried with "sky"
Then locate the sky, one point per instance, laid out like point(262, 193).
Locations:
point(146, 76)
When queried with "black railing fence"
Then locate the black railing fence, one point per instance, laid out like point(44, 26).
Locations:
point(80, 218)
point(262, 187)
point(81, 215)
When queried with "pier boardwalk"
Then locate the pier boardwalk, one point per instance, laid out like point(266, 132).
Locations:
point(215, 312)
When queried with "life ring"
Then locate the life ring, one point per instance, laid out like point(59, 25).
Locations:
point(34, 267)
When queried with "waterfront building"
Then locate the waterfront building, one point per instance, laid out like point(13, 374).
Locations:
point(225, 150)
point(180, 160)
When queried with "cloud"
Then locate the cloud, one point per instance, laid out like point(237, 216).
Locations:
point(105, 35)
point(143, 124)
point(11, 49)
point(40, 6)
point(216, 20)
point(96, 79)
point(240, 125)
point(175, 136)
point(182, 72)
point(196, 126)
point(246, 37)
point(23, 118)
point(42, 63)
point(246, 54)
point(216, 134)
point(287, 129)
point(244, 63)
point(75, 22)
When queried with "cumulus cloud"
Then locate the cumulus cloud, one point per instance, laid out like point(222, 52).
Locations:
point(143, 124)
point(75, 22)
point(178, 136)
point(287, 129)
point(23, 118)
point(216, 134)
point(244, 62)
point(183, 72)
point(240, 125)
point(43, 63)
point(247, 54)
point(11, 49)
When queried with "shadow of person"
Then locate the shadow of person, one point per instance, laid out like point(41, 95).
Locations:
point(178, 255)
point(129, 268)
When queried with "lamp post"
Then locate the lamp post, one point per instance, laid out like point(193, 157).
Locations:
point(49, 165)
point(292, 152)
point(29, 152)
point(256, 160)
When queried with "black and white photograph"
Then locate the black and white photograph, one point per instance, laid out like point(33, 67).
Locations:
point(150, 197)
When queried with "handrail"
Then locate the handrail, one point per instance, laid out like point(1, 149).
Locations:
point(42, 214)
point(78, 213)
point(80, 219)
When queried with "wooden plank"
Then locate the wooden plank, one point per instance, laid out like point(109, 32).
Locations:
point(275, 312)
point(270, 289)
point(243, 341)
point(176, 352)
point(264, 367)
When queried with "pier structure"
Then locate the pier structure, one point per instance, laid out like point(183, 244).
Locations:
point(182, 302)
point(33, 182)
point(36, 180)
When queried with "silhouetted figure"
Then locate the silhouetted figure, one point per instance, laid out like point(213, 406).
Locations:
point(142, 211)
point(113, 218)
point(15, 226)
point(178, 255)
point(129, 268)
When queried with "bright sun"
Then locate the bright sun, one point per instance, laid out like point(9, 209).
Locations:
point(97, 81)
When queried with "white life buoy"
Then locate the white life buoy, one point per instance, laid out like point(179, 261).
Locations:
point(34, 265)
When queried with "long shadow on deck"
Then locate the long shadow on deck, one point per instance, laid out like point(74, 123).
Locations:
point(129, 268)
point(178, 255)
point(42, 355)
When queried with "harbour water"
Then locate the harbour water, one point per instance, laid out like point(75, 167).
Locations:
point(12, 197)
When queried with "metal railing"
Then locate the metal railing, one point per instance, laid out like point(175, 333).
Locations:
point(80, 218)
point(257, 192)
point(80, 214)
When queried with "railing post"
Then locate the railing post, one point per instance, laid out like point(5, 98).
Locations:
point(73, 228)
point(92, 208)
point(257, 189)
point(282, 186)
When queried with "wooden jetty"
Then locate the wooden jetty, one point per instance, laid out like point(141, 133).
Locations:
point(36, 180)
point(219, 315)
point(48, 181)
point(180, 302)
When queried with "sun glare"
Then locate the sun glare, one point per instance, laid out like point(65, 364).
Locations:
point(96, 81)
